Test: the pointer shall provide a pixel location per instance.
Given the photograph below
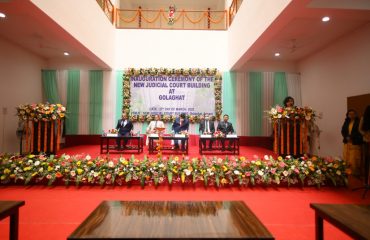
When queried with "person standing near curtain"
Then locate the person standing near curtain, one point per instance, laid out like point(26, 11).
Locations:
point(352, 140)
point(157, 123)
point(207, 126)
point(289, 102)
point(125, 128)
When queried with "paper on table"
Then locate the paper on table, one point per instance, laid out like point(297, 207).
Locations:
point(112, 135)
point(205, 136)
point(180, 135)
point(153, 135)
point(231, 136)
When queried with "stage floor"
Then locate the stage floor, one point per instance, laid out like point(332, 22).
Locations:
point(94, 151)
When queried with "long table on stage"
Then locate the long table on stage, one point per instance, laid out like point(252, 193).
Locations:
point(105, 143)
point(217, 144)
point(171, 220)
point(152, 146)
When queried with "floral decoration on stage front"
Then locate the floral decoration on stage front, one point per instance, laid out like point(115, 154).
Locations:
point(41, 112)
point(298, 113)
point(126, 91)
point(40, 169)
point(218, 134)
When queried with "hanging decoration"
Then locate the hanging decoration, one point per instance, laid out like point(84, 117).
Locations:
point(171, 14)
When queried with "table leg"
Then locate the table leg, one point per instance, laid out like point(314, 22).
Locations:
point(101, 145)
point(200, 146)
point(187, 146)
point(14, 225)
point(319, 228)
point(107, 145)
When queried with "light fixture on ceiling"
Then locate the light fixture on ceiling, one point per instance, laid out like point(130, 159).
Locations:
point(2, 15)
point(325, 19)
point(277, 54)
point(66, 53)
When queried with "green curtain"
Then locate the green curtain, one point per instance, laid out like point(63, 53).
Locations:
point(228, 96)
point(255, 103)
point(280, 88)
point(119, 94)
point(96, 101)
point(73, 101)
point(49, 83)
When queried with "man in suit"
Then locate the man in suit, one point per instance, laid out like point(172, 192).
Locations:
point(181, 124)
point(207, 127)
point(153, 125)
point(226, 128)
point(124, 127)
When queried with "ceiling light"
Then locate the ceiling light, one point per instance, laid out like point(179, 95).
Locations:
point(2, 15)
point(66, 53)
point(277, 54)
point(325, 19)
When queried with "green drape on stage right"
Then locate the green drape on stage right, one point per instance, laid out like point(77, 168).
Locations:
point(280, 88)
point(73, 101)
point(255, 103)
point(96, 101)
point(49, 83)
point(229, 96)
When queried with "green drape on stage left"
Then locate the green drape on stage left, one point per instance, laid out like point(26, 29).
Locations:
point(119, 95)
point(73, 101)
point(255, 103)
point(229, 96)
point(49, 83)
point(280, 88)
point(96, 101)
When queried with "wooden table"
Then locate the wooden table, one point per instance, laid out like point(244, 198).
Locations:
point(352, 219)
point(217, 145)
point(171, 220)
point(106, 146)
point(152, 146)
point(11, 209)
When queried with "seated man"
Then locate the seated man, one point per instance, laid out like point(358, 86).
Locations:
point(181, 124)
point(226, 128)
point(207, 127)
point(125, 128)
point(152, 127)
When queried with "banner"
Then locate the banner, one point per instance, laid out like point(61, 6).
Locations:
point(169, 95)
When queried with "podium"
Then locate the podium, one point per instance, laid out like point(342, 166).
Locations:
point(42, 136)
point(290, 136)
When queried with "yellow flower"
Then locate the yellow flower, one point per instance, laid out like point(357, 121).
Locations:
point(50, 168)
point(89, 163)
point(224, 181)
point(3, 177)
point(280, 158)
point(336, 166)
point(66, 170)
point(12, 176)
point(80, 171)
point(34, 174)
point(258, 163)
point(79, 163)
point(242, 158)
point(225, 168)
point(314, 158)
point(176, 158)
point(6, 171)
point(120, 173)
point(26, 169)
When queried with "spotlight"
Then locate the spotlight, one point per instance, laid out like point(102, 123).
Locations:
point(66, 53)
point(277, 54)
point(2, 15)
point(325, 19)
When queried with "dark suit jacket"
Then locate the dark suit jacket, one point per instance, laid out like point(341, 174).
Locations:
point(355, 135)
point(202, 126)
point(177, 128)
point(124, 129)
point(225, 128)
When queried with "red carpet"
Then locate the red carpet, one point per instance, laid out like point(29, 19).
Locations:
point(53, 213)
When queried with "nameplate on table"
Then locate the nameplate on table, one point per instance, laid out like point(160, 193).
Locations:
point(180, 136)
point(112, 135)
point(205, 136)
point(153, 135)
point(231, 136)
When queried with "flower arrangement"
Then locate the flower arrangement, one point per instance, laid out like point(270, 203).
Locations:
point(299, 113)
point(126, 92)
point(41, 112)
point(40, 169)
point(113, 131)
point(218, 134)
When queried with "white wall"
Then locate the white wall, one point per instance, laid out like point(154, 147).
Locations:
point(92, 28)
point(171, 49)
point(330, 76)
point(20, 82)
point(253, 18)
